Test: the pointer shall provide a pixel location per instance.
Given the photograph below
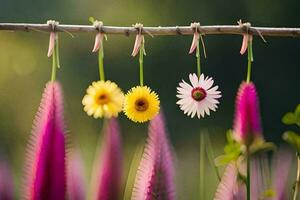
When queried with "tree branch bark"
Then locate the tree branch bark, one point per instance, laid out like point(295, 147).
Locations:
point(175, 30)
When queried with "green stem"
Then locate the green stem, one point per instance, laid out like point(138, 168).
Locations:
point(248, 184)
point(55, 59)
point(57, 51)
point(250, 60)
point(141, 61)
point(198, 59)
point(54, 65)
point(202, 166)
point(100, 62)
point(297, 183)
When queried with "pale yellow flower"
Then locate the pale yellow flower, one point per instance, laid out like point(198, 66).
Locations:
point(103, 99)
point(141, 104)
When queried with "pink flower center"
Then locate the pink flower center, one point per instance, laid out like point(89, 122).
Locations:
point(198, 93)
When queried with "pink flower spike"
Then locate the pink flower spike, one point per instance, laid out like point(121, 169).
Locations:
point(6, 182)
point(229, 188)
point(137, 44)
point(51, 43)
point(107, 170)
point(282, 163)
point(45, 160)
point(98, 42)
point(194, 42)
point(155, 176)
point(247, 124)
point(75, 178)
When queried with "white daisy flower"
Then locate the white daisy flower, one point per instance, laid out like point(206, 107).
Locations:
point(198, 98)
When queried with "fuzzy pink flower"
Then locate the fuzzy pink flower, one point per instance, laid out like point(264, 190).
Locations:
point(107, 172)
point(232, 187)
point(247, 124)
point(280, 170)
point(45, 167)
point(282, 163)
point(229, 188)
point(75, 178)
point(6, 182)
point(155, 176)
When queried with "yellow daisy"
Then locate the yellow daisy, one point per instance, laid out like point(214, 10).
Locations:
point(141, 104)
point(103, 99)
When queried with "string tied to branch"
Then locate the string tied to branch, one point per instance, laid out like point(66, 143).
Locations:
point(247, 38)
point(99, 46)
point(139, 46)
point(53, 49)
point(52, 24)
point(195, 44)
point(99, 36)
point(139, 39)
point(247, 45)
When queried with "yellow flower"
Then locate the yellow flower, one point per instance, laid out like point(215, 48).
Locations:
point(141, 104)
point(103, 99)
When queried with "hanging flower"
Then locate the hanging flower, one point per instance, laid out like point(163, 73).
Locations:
point(141, 104)
point(103, 99)
point(198, 98)
point(247, 125)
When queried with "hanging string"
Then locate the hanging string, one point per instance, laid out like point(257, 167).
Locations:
point(247, 45)
point(196, 45)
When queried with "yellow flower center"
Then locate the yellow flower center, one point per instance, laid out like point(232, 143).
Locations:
point(102, 99)
point(141, 104)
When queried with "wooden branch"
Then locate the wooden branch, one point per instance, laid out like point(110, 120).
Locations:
point(175, 30)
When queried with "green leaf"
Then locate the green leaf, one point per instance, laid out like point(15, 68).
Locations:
point(232, 150)
point(293, 139)
point(297, 114)
point(229, 136)
point(297, 110)
point(91, 19)
point(224, 159)
point(262, 147)
point(289, 118)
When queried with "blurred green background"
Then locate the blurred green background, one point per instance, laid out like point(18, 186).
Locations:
point(25, 68)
